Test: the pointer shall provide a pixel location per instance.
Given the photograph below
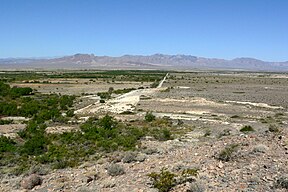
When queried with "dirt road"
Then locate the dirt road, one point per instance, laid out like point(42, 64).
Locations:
point(125, 102)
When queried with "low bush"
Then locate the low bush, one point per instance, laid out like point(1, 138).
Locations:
point(274, 129)
point(282, 182)
point(247, 128)
point(5, 122)
point(196, 186)
point(149, 117)
point(6, 144)
point(129, 157)
point(115, 170)
point(163, 181)
point(227, 153)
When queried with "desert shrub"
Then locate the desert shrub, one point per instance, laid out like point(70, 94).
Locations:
point(154, 84)
point(6, 144)
point(122, 91)
point(70, 113)
point(225, 132)
point(260, 148)
point(107, 122)
point(207, 133)
point(247, 128)
point(127, 113)
point(115, 170)
point(190, 172)
point(8, 108)
point(161, 134)
point(129, 157)
point(33, 128)
point(196, 186)
point(104, 95)
point(66, 101)
point(110, 90)
point(149, 117)
point(35, 145)
point(163, 181)
point(282, 182)
point(4, 89)
point(20, 91)
point(227, 153)
point(274, 129)
point(5, 122)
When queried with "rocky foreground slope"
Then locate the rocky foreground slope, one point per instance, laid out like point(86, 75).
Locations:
point(258, 163)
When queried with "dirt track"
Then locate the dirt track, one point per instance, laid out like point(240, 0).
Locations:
point(122, 103)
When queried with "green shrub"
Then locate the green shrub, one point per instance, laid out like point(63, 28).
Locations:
point(162, 134)
point(149, 117)
point(190, 172)
point(9, 109)
point(36, 145)
point(5, 122)
point(163, 181)
point(107, 122)
point(6, 144)
point(20, 91)
point(70, 113)
point(104, 95)
point(247, 128)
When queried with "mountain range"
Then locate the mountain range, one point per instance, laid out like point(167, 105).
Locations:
point(156, 61)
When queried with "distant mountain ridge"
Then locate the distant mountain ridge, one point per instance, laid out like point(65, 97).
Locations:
point(156, 61)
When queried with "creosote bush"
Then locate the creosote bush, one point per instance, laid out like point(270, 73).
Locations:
point(129, 157)
point(227, 153)
point(247, 128)
point(274, 129)
point(149, 117)
point(163, 181)
point(282, 182)
point(115, 170)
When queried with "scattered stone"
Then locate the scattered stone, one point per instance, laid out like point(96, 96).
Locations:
point(196, 186)
point(141, 157)
point(260, 148)
point(31, 181)
point(109, 184)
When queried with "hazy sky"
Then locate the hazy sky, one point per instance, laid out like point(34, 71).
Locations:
point(209, 28)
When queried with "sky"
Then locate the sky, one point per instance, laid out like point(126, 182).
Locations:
point(208, 28)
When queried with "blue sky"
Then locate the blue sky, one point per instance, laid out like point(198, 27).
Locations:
point(208, 28)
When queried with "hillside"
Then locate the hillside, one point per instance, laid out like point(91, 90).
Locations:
point(156, 61)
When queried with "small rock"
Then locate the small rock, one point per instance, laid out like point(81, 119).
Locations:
point(109, 184)
point(141, 157)
point(220, 165)
point(31, 181)
point(89, 179)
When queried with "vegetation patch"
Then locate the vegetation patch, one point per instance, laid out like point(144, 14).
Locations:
point(149, 117)
point(227, 153)
point(247, 128)
point(163, 181)
point(115, 170)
